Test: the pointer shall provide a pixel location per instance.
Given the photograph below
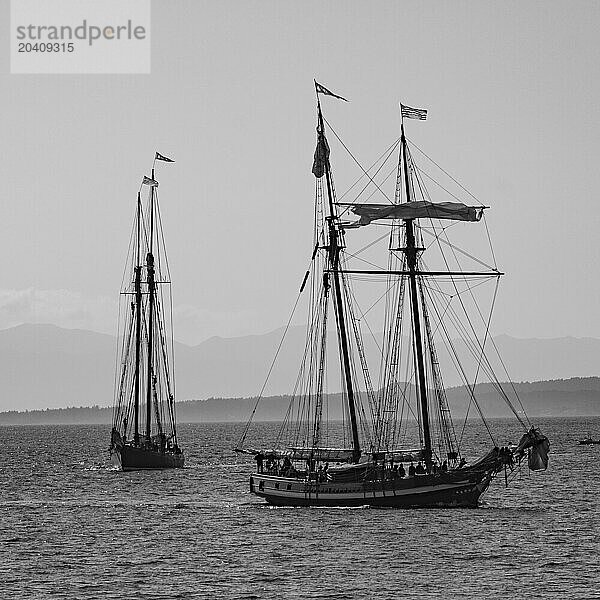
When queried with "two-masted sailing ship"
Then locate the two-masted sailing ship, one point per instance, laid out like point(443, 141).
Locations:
point(397, 443)
point(144, 431)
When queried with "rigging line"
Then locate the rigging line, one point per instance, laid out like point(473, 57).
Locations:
point(367, 184)
point(356, 203)
point(348, 297)
point(162, 236)
point(406, 403)
point(461, 300)
point(443, 228)
point(117, 369)
point(310, 353)
point(356, 161)
point(392, 147)
point(303, 378)
point(440, 228)
point(462, 373)
point(473, 345)
point(390, 379)
point(512, 384)
point(242, 439)
point(422, 172)
point(393, 283)
point(468, 288)
point(487, 330)
point(144, 226)
point(351, 303)
point(363, 318)
point(351, 255)
point(463, 252)
point(172, 357)
point(129, 257)
point(445, 172)
point(392, 171)
point(489, 239)
point(499, 388)
point(369, 245)
point(388, 317)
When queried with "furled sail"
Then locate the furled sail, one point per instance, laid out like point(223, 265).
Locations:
point(340, 455)
point(328, 454)
point(321, 156)
point(538, 447)
point(416, 210)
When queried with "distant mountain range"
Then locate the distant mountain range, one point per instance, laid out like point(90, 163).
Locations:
point(564, 397)
point(44, 366)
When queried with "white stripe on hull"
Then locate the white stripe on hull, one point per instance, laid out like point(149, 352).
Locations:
point(280, 490)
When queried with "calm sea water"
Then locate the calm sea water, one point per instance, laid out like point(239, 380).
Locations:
point(73, 526)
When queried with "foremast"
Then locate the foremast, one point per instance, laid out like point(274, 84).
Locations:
point(151, 301)
point(334, 250)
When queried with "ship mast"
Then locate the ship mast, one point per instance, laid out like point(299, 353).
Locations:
point(334, 258)
point(138, 326)
point(411, 251)
point(151, 293)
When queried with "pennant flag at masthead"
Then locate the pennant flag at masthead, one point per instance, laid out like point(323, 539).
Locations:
point(323, 90)
point(159, 156)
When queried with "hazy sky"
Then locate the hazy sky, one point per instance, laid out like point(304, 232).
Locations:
point(512, 91)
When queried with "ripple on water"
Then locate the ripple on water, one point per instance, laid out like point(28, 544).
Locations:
point(76, 527)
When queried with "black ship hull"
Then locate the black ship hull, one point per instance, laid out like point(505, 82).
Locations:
point(134, 458)
point(458, 489)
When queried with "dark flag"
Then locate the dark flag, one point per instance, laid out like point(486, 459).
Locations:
point(321, 156)
point(413, 113)
point(164, 158)
point(149, 181)
point(323, 90)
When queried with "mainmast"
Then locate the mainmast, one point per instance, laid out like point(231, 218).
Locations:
point(138, 327)
point(334, 257)
point(411, 252)
point(151, 293)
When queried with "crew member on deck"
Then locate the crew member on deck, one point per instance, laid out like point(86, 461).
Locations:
point(259, 461)
point(287, 465)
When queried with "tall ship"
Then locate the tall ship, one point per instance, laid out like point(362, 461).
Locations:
point(144, 428)
point(392, 441)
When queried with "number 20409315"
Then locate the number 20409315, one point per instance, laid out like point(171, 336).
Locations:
point(46, 47)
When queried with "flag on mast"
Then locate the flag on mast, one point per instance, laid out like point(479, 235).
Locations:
point(413, 113)
point(149, 181)
point(159, 156)
point(320, 89)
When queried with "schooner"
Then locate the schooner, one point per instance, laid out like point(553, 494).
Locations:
point(371, 458)
point(144, 430)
